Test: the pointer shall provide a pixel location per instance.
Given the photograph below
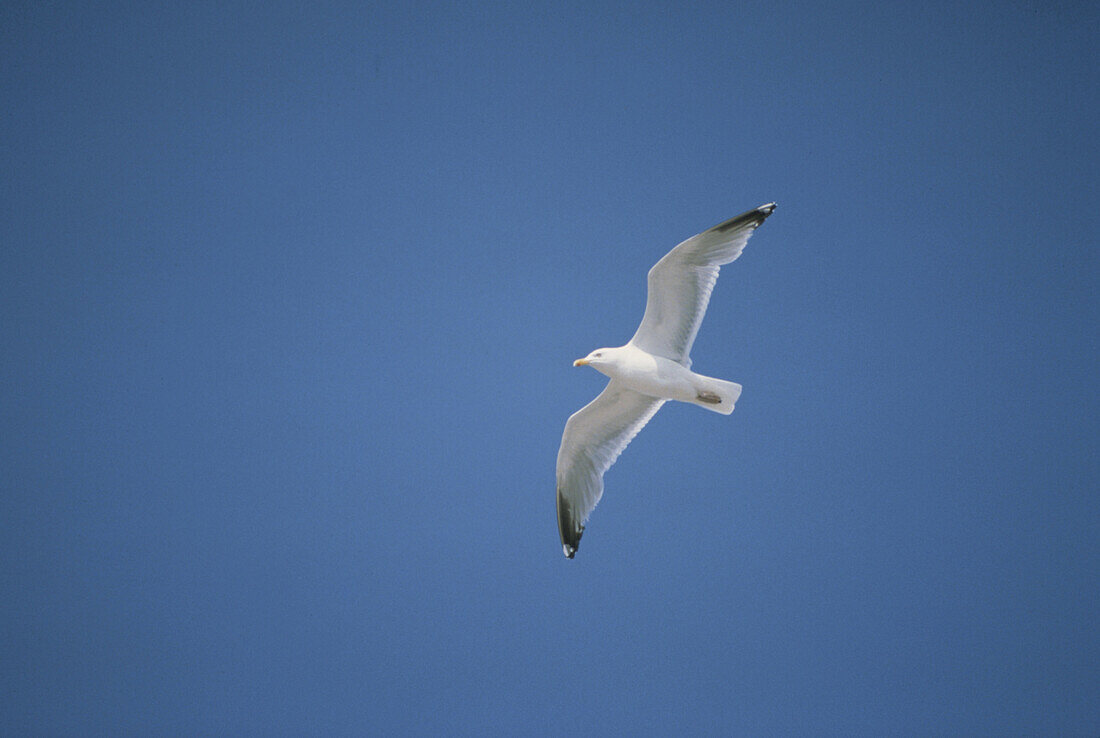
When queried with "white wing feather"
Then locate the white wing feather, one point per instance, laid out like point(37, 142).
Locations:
point(594, 437)
point(680, 285)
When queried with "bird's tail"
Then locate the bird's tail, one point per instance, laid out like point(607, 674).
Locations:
point(716, 394)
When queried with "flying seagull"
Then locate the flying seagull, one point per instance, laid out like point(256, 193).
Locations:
point(650, 369)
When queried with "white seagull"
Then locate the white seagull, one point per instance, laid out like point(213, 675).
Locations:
point(650, 369)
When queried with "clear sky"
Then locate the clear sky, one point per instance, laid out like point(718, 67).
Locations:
point(289, 297)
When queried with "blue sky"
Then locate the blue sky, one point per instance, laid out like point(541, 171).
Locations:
point(290, 295)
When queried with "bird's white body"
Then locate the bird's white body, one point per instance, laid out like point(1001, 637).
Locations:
point(652, 368)
point(663, 379)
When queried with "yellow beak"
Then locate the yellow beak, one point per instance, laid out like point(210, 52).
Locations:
point(580, 362)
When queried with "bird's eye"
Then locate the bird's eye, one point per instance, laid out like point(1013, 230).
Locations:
point(598, 354)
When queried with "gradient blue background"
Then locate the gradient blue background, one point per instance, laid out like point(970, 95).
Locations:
point(289, 295)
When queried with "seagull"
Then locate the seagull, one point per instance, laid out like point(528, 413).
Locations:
point(652, 368)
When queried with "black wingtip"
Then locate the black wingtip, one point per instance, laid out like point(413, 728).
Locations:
point(569, 527)
point(753, 217)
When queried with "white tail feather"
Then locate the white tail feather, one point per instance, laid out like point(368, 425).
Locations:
point(717, 395)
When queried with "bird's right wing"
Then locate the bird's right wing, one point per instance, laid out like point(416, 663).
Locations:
point(681, 282)
point(594, 437)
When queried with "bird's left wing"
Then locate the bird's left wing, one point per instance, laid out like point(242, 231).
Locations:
point(681, 282)
point(594, 437)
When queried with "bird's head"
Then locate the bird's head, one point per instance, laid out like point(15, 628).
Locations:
point(598, 358)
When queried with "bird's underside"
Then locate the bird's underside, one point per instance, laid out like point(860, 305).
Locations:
point(653, 367)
